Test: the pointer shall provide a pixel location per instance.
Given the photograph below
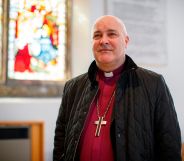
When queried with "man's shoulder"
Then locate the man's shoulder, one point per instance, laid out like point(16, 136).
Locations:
point(78, 80)
point(150, 79)
point(147, 74)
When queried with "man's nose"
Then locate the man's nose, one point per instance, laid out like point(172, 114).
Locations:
point(104, 40)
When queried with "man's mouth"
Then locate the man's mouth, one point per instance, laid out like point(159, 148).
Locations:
point(104, 50)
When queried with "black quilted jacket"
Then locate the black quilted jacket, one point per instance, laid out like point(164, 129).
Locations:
point(144, 124)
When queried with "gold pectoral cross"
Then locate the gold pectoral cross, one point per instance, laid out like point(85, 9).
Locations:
point(99, 123)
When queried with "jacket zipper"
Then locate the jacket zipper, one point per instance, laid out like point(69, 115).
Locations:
point(84, 124)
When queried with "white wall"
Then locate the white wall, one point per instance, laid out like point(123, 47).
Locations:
point(173, 72)
point(84, 13)
point(176, 54)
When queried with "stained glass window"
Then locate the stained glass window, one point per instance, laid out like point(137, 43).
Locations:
point(37, 40)
point(35, 47)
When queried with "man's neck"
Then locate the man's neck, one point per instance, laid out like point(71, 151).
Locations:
point(108, 68)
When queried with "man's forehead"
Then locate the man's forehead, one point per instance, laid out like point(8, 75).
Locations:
point(107, 25)
point(106, 30)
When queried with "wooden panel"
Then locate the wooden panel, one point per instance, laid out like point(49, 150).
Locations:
point(37, 142)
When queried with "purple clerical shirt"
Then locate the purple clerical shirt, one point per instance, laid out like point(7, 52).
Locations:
point(91, 147)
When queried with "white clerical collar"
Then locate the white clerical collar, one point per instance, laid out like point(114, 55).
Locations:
point(108, 74)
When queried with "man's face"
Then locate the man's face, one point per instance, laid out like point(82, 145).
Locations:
point(109, 43)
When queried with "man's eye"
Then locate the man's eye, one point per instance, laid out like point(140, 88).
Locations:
point(112, 34)
point(97, 36)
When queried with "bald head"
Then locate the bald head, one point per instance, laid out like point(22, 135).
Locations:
point(110, 18)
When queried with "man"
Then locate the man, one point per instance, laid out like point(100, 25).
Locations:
point(116, 111)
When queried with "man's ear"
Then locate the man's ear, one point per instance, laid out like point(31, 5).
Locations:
point(126, 41)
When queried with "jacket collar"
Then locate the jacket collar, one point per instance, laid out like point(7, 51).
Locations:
point(129, 64)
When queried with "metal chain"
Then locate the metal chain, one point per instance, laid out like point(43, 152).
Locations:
point(108, 105)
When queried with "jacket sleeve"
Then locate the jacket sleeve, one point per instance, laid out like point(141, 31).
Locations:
point(167, 131)
point(61, 123)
